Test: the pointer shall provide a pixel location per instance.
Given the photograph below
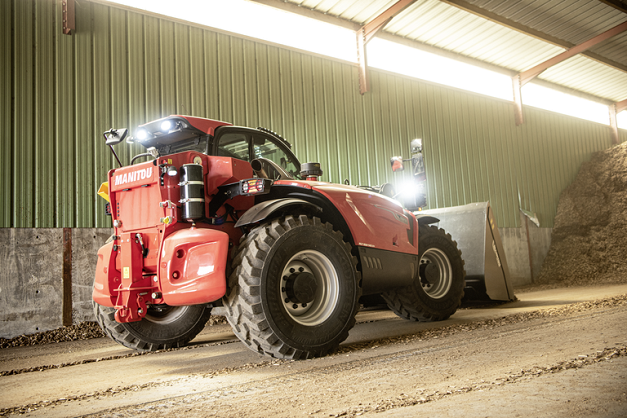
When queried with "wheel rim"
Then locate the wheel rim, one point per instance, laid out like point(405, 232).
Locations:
point(164, 314)
point(326, 293)
point(436, 273)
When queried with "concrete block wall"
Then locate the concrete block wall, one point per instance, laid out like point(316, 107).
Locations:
point(31, 285)
point(33, 276)
point(524, 265)
point(85, 245)
point(46, 276)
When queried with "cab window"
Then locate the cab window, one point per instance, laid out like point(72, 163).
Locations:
point(264, 147)
point(235, 145)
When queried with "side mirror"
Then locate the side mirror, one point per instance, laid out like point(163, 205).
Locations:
point(397, 164)
point(115, 136)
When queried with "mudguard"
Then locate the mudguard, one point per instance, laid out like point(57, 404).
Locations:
point(425, 219)
point(192, 266)
point(262, 210)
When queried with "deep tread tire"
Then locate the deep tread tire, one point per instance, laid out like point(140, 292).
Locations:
point(171, 330)
point(421, 302)
point(255, 304)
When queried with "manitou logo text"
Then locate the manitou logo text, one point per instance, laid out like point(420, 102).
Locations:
point(146, 173)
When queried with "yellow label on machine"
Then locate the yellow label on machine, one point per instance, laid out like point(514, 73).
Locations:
point(126, 273)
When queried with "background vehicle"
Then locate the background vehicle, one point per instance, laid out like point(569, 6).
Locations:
point(227, 215)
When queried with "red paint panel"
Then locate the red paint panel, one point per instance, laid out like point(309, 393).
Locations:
point(375, 221)
point(225, 170)
point(107, 277)
point(193, 265)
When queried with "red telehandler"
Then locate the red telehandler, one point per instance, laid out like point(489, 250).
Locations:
point(221, 215)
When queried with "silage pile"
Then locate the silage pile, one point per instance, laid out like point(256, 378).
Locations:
point(589, 239)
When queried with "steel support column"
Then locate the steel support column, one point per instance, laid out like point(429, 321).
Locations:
point(67, 9)
point(615, 109)
point(518, 111)
point(526, 76)
point(367, 32)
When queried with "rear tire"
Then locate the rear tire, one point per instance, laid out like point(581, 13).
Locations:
point(294, 289)
point(163, 327)
point(437, 292)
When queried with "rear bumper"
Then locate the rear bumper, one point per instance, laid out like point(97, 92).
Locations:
point(192, 270)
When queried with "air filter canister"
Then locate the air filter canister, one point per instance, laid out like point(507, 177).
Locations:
point(192, 192)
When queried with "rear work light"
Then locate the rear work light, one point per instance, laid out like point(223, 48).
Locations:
point(254, 186)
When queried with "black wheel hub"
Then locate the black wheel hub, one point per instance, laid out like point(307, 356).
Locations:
point(301, 287)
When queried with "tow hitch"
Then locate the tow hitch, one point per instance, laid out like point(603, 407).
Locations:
point(136, 289)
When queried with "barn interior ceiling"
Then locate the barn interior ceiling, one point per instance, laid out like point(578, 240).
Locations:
point(579, 45)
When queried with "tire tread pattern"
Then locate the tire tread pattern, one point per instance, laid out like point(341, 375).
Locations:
point(404, 303)
point(244, 301)
point(105, 316)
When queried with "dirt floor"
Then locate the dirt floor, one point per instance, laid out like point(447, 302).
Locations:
point(558, 352)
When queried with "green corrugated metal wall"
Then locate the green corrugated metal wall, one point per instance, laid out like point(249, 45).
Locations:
point(121, 69)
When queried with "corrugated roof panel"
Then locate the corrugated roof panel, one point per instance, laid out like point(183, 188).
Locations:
point(359, 10)
point(573, 21)
point(444, 26)
point(614, 48)
point(475, 31)
point(456, 30)
point(575, 73)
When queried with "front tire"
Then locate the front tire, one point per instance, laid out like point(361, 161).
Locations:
point(294, 289)
point(437, 292)
point(163, 327)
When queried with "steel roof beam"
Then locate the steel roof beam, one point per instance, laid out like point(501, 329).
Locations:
point(617, 4)
point(519, 80)
point(531, 73)
point(368, 31)
point(343, 22)
point(493, 17)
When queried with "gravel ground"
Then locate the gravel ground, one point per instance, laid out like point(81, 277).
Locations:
point(430, 360)
point(82, 331)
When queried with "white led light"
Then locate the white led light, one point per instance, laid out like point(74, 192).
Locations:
point(141, 135)
point(166, 126)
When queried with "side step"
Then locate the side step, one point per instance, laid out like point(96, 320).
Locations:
point(474, 228)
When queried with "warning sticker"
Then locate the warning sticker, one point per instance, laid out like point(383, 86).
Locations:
point(126, 273)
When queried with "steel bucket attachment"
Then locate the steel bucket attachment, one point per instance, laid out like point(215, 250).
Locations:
point(474, 228)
